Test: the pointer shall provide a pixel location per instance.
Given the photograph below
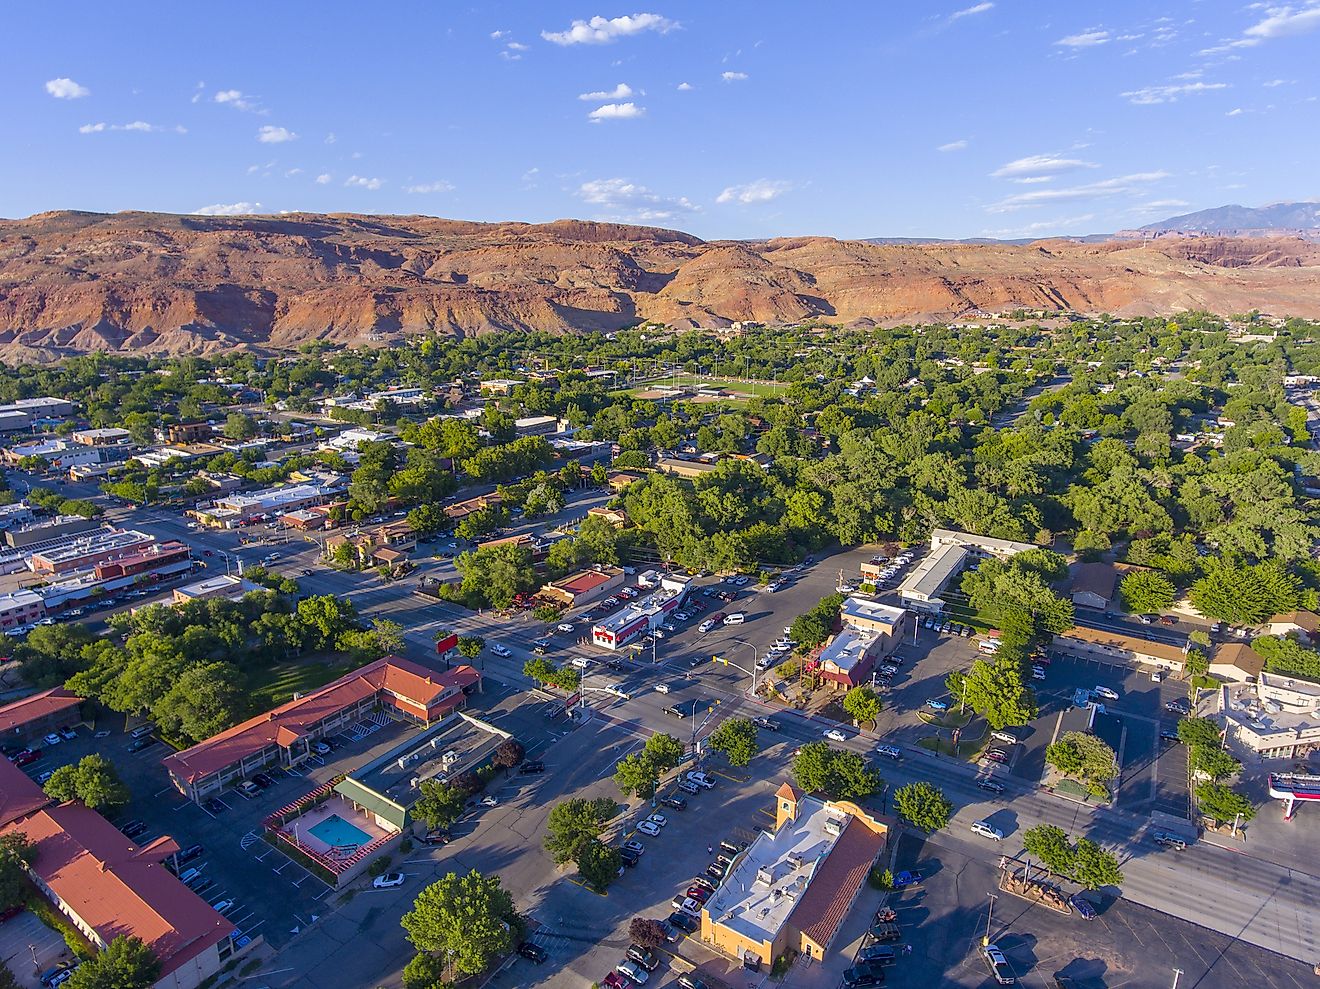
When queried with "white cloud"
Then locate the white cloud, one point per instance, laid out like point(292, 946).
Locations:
point(1105, 188)
point(330, 138)
point(518, 46)
point(1150, 95)
point(1283, 22)
point(323, 178)
point(1034, 166)
point(620, 199)
point(958, 145)
point(66, 89)
point(602, 31)
point(620, 92)
point(1040, 226)
point(1086, 39)
point(760, 191)
point(1276, 82)
point(497, 35)
point(684, 87)
point(275, 135)
point(361, 182)
point(290, 173)
point(733, 76)
point(1237, 111)
point(234, 98)
point(439, 185)
point(228, 209)
point(1164, 204)
point(136, 126)
point(616, 111)
point(979, 8)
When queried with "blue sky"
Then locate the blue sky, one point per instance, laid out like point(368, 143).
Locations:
point(726, 119)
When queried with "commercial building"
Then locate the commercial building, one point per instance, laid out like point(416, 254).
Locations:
point(583, 587)
point(386, 544)
point(644, 614)
point(59, 454)
point(685, 468)
point(26, 412)
point(109, 887)
point(462, 509)
point(950, 551)
point(17, 514)
point(188, 432)
point(499, 386)
point(228, 586)
point(536, 426)
point(1277, 717)
point(85, 552)
point(39, 714)
point(285, 735)
point(101, 437)
point(871, 631)
point(235, 510)
point(791, 888)
point(350, 439)
point(1099, 643)
point(20, 608)
point(615, 517)
point(49, 531)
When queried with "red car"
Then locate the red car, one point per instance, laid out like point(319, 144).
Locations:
point(26, 757)
point(699, 894)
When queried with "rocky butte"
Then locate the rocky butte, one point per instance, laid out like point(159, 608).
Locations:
point(152, 282)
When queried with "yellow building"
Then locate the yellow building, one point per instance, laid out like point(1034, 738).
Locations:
point(791, 889)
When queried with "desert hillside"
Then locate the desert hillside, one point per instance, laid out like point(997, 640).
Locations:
point(75, 282)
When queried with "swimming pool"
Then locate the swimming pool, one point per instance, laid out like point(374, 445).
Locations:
point(336, 832)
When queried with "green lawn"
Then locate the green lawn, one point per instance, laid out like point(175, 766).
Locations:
point(272, 687)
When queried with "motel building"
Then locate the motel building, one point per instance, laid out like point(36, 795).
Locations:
point(390, 689)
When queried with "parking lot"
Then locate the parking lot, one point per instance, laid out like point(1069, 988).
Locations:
point(1126, 945)
point(28, 948)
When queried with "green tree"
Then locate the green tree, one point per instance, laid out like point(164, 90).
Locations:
point(1050, 846)
point(326, 618)
point(1146, 592)
point(863, 704)
point(1223, 804)
point(574, 822)
point(923, 805)
point(125, 963)
point(1085, 757)
point(16, 854)
point(813, 767)
point(1214, 762)
point(852, 778)
point(424, 971)
point(736, 738)
point(637, 775)
point(664, 750)
point(93, 781)
point(469, 920)
point(497, 574)
point(1093, 866)
point(598, 864)
point(996, 690)
point(239, 427)
point(470, 646)
point(508, 754)
point(205, 700)
point(1199, 732)
point(439, 804)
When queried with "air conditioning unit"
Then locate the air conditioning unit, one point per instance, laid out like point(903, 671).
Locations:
point(834, 826)
point(415, 782)
point(795, 860)
point(403, 762)
point(765, 876)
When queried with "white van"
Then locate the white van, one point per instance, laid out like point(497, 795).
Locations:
point(142, 731)
point(737, 618)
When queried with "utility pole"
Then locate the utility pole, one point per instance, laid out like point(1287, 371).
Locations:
point(989, 914)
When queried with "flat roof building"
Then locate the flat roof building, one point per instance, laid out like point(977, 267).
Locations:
point(21, 607)
point(791, 888)
point(49, 529)
point(101, 437)
point(1277, 717)
point(87, 551)
point(949, 552)
point(1083, 641)
point(644, 614)
point(230, 586)
point(584, 586)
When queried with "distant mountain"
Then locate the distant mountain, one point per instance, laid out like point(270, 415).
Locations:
point(161, 283)
point(1249, 221)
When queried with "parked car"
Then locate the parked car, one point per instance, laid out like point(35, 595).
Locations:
point(999, 968)
point(987, 830)
point(1168, 840)
point(864, 974)
point(883, 930)
point(995, 757)
point(647, 828)
point(533, 952)
point(878, 954)
point(532, 767)
point(674, 803)
point(190, 853)
point(691, 982)
point(644, 957)
point(937, 705)
point(698, 893)
point(701, 780)
point(248, 788)
point(628, 857)
point(736, 618)
point(132, 829)
point(905, 879)
point(659, 820)
point(489, 801)
point(1038, 673)
point(52, 739)
point(68, 734)
point(1107, 693)
point(683, 922)
point(388, 881)
point(262, 780)
point(687, 786)
point(835, 735)
point(436, 837)
point(1083, 906)
point(635, 846)
point(706, 626)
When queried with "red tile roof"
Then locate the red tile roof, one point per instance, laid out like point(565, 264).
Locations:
point(836, 881)
point(23, 712)
point(19, 794)
point(118, 888)
point(582, 582)
point(284, 724)
point(788, 792)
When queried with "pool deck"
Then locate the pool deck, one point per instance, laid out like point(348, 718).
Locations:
point(336, 806)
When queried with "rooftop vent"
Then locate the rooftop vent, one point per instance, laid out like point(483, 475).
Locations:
point(795, 860)
point(765, 876)
point(834, 826)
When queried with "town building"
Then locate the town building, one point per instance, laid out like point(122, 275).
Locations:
point(620, 479)
point(949, 552)
point(20, 608)
point(1277, 717)
point(536, 426)
point(350, 439)
point(109, 887)
point(387, 544)
point(1304, 624)
point(615, 517)
point(231, 587)
point(111, 436)
point(27, 412)
point(1237, 662)
point(1099, 643)
point(232, 511)
point(284, 736)
point(32, 717)
point(685, 468)
point(1093, 585)
point(871, 631)
point(539, 547)
point(791, 888)
point(17, 514)
point(49, 532)
point(499, 386)
point(583, 587)
point(59, 454)
point(617, 630)
point(187, 432)
point(85, 552)
point(462, 509)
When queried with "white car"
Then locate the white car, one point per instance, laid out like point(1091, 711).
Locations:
point(707, 625)
point(1105, 692)
point(647, 828)
point(222, 905)
point(388, 881)
point(987, 830)
point(659, 820)
point(701, 780)
point(564, 627)
point(662, 688)
point(52, 739)
point(836, 735)
point(500, 650)
point(489, 801)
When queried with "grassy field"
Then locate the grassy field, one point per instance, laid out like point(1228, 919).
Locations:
point(279, 683)
point(742, 387)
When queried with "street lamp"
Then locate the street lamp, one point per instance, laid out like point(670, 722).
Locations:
point(755, 659)
point(989, 913)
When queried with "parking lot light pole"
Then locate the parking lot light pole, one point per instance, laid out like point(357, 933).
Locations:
point(989, 913)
